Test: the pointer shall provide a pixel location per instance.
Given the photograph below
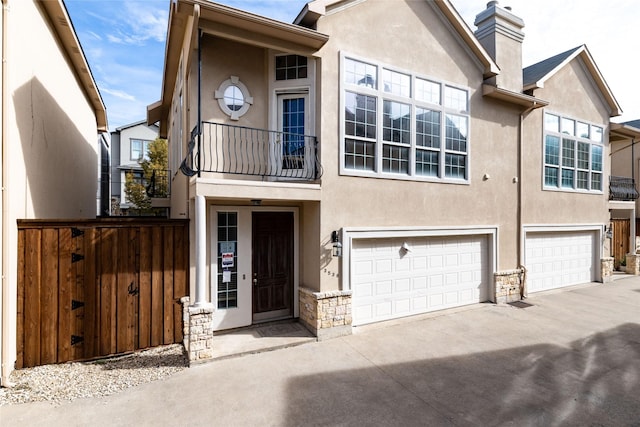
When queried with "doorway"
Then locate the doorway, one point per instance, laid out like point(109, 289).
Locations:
point(272, 265)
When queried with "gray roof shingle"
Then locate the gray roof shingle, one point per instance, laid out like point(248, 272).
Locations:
point(535, 72)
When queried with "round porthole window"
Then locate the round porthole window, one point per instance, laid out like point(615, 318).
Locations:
point(233, 97)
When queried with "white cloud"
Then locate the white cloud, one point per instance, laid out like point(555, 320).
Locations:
point(117, 93)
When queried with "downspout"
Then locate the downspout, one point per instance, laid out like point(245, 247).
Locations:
point(6, 363)
point(519, 230)
point(199, 101)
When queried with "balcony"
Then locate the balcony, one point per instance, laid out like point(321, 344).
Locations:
point(622, 189)
point(239, 150)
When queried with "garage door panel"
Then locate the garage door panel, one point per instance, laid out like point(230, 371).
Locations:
point(437, 273)
point(559, 259)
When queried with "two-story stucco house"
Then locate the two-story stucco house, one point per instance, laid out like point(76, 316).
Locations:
point(378, 159)
point(129, 145)
point(51, 114)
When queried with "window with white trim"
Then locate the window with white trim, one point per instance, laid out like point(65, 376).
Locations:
point(140, 149)
point(572, 154)
point(400, 124)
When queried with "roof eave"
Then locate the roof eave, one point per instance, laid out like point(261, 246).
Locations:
point(63, 26)
point(490, 67)
point(511, 97)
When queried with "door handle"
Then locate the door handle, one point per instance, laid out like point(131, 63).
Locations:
point(255, 282)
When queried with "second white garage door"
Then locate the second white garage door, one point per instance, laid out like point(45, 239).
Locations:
point(436, 273)
point(559, 259)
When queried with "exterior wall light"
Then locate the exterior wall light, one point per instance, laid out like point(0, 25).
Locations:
point(608, 232)
point(337, 246)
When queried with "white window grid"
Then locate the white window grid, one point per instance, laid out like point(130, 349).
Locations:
point(572, 154)
point(431, 154)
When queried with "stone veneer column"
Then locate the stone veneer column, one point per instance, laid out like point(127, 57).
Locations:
point(606, 268)
point(197, 331)
point(633, 264)
point(508, 285)
point(326, 314)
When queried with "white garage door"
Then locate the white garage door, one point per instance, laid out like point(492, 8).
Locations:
point(559, 259)
point(437, 273)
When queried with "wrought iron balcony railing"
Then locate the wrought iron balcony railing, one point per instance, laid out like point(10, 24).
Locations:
point(622, 189)
point(248, 151)
point(157, 186)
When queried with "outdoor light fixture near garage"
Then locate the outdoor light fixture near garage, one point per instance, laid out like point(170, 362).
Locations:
point(337, 246)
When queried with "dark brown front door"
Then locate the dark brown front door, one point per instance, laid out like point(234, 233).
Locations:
point(272, 261)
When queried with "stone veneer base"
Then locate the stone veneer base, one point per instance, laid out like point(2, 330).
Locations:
point(606, 269)
point(326, 314)
point(633, 264)
point(508, 285)
point(197, 331)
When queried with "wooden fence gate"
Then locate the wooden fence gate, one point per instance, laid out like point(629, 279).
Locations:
point(99, 287)
point(621, 230)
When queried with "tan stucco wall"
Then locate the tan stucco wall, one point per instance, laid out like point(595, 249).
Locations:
point(245, 62)
point(570, 93)
point(429, 49)
point(51, 135)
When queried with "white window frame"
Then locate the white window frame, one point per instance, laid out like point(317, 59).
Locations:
point(247, 99)
point(382, 96)
point(144, 148)
point(563, 135)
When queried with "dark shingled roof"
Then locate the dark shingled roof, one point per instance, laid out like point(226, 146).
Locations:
point(633, 124)
point(535, 72)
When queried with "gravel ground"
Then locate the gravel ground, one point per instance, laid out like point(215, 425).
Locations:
point(69, 381)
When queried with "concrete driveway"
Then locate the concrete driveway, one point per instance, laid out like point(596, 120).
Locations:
point(571, 358)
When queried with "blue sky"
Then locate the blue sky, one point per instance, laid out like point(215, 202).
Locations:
point(124, 41)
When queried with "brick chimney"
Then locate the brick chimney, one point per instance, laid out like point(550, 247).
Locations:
point(500, 33)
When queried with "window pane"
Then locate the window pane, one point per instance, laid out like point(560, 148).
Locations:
point(455, 166)
point(596, 158)
point(456, 138)
point(360, 155)
point(136, 149)
point(582, 181)
point(583, 155)
point(293, 133)
point(582, 130)
point(227, 242)
point(395, 159)
point(360, 73)
point(596, 133)
point(396, 122)
point(360, 115)
point(568, 126)
point(551, 123)
point(233, 98)
point(596, 181)
point(567, 178)
point(455, 98)
point(551, 176)
point(427, 91)
point(289, 67)
point(552, 150)
point(427, 128)
point(568, 153)
point(396, 83)
point(427, 162)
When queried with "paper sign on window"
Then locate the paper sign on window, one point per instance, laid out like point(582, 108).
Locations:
point(226, 276)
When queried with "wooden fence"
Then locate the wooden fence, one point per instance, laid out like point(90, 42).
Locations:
point(620, 243)
point(99, 287)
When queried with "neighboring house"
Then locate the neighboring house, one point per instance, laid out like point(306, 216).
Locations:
point(52, 114)
point(104, 173)
point(378, 159)
point(625, 161)
point(129, 145)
